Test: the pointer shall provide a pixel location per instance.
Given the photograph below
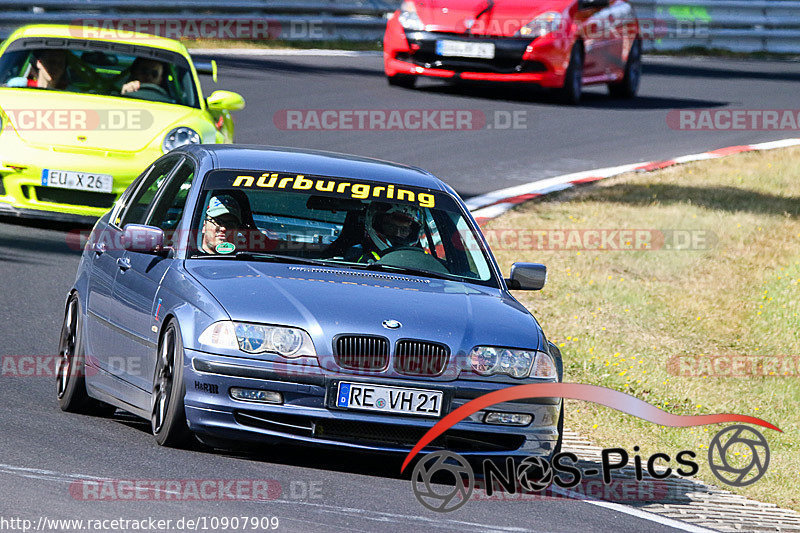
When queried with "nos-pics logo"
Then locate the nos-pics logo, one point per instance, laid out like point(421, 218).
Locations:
point(738, 456)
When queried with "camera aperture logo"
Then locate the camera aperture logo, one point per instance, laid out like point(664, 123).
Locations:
point(739, 455)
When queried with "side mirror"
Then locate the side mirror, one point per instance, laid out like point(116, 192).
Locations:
point(527, 277)
point(210, 69)
point(593, 4)
point(225, 101)
point(143, 239)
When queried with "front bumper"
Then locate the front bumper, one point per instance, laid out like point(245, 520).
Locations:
point(22, 193)
point(306, 415)
point(521, 60)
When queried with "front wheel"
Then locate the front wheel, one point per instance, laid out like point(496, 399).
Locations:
point(168, 418)
point(71, 368)
point(571, 92)
point(629, 86)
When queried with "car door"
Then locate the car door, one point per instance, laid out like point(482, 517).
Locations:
point(108, 338)
point(140, 275)
point(596, 29)
point(105, 250)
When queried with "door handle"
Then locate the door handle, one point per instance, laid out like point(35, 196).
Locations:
point(123, 263)
point(99, 248)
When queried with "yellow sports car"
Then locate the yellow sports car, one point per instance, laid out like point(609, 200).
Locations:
point(81, 117)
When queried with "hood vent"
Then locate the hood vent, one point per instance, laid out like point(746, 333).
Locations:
point(374, 275)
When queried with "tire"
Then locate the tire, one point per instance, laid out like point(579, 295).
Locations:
point(402, 80)
point(71, 368)
point(571, 92)
point(168, 414)
point(629, 86)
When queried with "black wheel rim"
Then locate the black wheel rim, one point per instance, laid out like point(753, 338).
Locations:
point(66, 348)
point(162, 389)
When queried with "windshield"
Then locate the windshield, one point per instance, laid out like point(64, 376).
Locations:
point(275, 216)
point(93, 67)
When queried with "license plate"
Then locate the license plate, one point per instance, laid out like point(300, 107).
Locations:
point(367, 397)
point(462, 49)
point(83, 181)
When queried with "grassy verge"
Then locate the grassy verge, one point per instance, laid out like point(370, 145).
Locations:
point(273, 44)
point(619, 316)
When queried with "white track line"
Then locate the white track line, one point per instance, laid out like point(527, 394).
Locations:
point(495, 203)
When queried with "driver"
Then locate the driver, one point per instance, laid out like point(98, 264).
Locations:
point(143, 71)
point(388, 226)
point(222, 223)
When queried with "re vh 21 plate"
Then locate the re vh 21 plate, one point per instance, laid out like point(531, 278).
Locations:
point(397, 400)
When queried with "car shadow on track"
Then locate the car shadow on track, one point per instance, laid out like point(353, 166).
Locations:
point(623, 488)
point(591, 98)
point(20, 245)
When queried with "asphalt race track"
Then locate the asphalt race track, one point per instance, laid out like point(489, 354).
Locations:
point(44, 452)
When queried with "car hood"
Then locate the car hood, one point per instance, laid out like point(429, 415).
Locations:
point(328, 302)
point(57, 119)
point(504, 19)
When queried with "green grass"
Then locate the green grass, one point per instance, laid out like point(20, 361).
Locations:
point(619, 316)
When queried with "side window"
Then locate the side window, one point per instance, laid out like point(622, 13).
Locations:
point(125, 198)
point(137, 207)
point(168, 211)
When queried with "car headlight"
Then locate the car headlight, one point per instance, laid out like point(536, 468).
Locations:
point(542, 25)
point(179, 137)
point(409, 19)
point(255, 338)
point(493, 360)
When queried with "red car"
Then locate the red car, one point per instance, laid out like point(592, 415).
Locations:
point(560, 44)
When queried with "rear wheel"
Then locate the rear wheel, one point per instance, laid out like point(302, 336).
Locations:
point(629, 86)
point(168, 418)
point(71, 368)
point(402, 80)
point(571, 92)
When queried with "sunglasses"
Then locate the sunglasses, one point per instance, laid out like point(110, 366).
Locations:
point(223, 222)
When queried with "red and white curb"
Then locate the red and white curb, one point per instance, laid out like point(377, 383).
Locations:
point(491, 205)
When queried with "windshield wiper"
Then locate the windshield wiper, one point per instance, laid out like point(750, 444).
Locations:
point(411, 271)
point(278, 258)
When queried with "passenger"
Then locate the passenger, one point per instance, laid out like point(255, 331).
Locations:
point(222, 224)
point(47, 71)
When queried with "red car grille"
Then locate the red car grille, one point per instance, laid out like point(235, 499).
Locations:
point(420, 358)
point(360, 352)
